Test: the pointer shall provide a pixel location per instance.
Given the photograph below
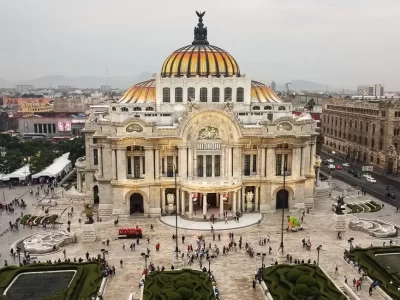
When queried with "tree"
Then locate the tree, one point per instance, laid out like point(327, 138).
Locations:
point(310, 104)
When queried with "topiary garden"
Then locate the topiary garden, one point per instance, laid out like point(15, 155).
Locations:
point(300, 282)
point(382, 264)
point(183, 284)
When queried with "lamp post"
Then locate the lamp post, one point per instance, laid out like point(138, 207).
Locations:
point(262, 255)
point(145, 256)
point(318, 250)
point(176, 215)
point(19, 255)
point(209, 263)
point(283, 201)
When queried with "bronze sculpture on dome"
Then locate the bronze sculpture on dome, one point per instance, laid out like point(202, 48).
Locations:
point(200, 32)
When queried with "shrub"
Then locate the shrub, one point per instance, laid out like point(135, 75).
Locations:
point(185, 293)
point(294, 274)
point(301, 290)
point(307, 280)
point(181, 283)
point(173, 296)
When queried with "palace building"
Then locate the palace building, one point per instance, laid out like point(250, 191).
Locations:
point(198, 136)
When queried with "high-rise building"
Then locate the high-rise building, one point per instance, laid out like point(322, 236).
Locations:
point(370, 90)
point(273, 86)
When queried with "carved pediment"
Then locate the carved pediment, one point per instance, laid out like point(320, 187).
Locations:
point(134, 127)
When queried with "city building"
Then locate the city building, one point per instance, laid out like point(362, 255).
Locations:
point(105, 88)
point(273, 86)
point(370, 90)
point(22, 88)
point(226, 139)
point(29, 109)
point(368, 132)
point(20, 101)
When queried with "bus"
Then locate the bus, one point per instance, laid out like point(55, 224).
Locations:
point(57, 139)
point(33, 136)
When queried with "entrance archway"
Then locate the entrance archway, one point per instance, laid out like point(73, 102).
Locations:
point(96, 197)
point(136, 203)
point(282, 199)
point(390, 166)
point(212, 199)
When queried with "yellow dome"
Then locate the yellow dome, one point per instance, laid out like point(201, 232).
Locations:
point(202, 60)
point(262, 93)
point(142, 92)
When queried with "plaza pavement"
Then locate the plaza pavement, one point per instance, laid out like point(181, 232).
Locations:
point(235, 271)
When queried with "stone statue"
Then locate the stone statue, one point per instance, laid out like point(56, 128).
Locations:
point(209, 133)
point(249, 196)
point(170, 200)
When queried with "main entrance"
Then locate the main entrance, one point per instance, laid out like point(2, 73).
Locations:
point(96, 197)
point(282, 199)
point(136, 203)
point(212, 199)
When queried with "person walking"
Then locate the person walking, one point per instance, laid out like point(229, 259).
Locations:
point(354, 282)
point(121, 263)
point(336, 270)
point(65, 254)
point(345, 279)
point(254, 285)
point(151, 227)
point(226, 220)
point(183, 239)
point(370, 290)
point(123, 246)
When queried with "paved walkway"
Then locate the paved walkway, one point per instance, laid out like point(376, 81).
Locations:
point(245, 221)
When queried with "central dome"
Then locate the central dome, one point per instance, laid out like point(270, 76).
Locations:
point(200, 58)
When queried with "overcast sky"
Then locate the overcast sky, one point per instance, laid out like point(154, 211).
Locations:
point(341, 43)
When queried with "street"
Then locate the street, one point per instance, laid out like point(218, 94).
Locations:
point(377, 189)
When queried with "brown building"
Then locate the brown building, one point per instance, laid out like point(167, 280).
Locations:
point(367, 132)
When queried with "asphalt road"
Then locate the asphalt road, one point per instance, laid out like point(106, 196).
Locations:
point(377, 189)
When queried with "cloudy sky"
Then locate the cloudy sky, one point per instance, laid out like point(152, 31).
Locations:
point(341, 43)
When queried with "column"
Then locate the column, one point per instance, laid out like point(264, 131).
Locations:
point(317, 179)
point(148, 159)
point(190, 205)
point(296, 161)
point(163, 200)
point(234, 202)
point(194, 156)
point(190, 162)
point(271, 167)
point(262, 160)
point(121, 167)
point(237, 160)
point(212, 165)
point(312, 158)
point(141, 165)
point(239, 202)
point(157, 163)
point(229, 161)
point(259, 151)
point(182, 158)
point(79, 181)
point(221, 204)
point(204, 165)
point(100, 154)
point(305, 161)
point(243, 198)
point(204, 204)
point(132, 164)
point(256, 200)
point(222, 163)
point(114, 164)
point(177, 200)
point(183, 202)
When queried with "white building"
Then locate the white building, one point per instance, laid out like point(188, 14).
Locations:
point(228, 139)
point(370, 90)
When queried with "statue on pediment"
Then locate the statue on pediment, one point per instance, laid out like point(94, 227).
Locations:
point(209, 133)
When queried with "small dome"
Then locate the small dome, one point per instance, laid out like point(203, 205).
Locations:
point(202, 60)
point(142, 92)
point(262, 93)
point(304, 116)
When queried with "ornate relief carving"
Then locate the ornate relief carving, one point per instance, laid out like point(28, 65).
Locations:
point(209, 132)
point(284, 126)
point(134, 127)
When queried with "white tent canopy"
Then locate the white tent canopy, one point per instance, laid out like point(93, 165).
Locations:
point(55, 169)
point(21, 173)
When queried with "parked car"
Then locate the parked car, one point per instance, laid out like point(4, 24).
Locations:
point(391, 195)
point(331, 167)
point(338, 167)
point(371, 179)
point(346, 165)
point(330, 160)
point(365, 175)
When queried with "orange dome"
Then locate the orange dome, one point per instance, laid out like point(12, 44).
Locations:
point(262, 93)
point(142, 92)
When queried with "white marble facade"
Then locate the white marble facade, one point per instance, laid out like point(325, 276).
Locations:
point(225, 138)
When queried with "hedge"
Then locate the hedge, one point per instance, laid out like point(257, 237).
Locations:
point(178, 285)
point(296, 282)
point(85, 284)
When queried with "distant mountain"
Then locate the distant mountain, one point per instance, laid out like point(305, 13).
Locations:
point(122, 82)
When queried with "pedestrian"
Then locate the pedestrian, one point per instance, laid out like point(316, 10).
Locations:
point(254, 285)
point(354, 282)
point(358, 285)
point(148, 240)
point(213, 236)
point(87, 255)
point(151, 227)
point(108, 242)
point(65, 253)
point(270, 249)
point(226, 220)
point(345, 279)
point(183, 239)
point(123, 246)
point(370, 290)
point(121, 262)
point(219, 236)
point(336, 270)
point(133, 246)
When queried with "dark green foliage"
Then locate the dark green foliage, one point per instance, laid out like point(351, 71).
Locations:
point(300, 282)
point(183, 284)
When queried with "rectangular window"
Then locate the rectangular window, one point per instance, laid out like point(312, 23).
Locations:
point(129, 165)
point(200, 166)
point(279, 164)
point(44, 128)
point(217, 165)
point(215, 95)
point(162, 166)
point(254, 163)
point(228, 94)
point(144, 164)
point(203, 95)
point(191, 94)
point(136, 166)
point(54, 128)
point(49, 128)
point(95, 157)
point(208, 165)
point(170, 166)
point(40, 128)
point(178, 95)
point(240, 95)
point(94, 141)
point(166, 95)
point(36, 128)
point(247, 165)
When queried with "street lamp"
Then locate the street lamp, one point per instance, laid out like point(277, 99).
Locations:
point(145, 256)
point(283, 201)
point(176, 215)
point(209, 263)
point(262, 255)
point(318, 249)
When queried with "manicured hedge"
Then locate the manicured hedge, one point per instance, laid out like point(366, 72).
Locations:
point(374, 269)
point(178, 285)
point(370, 206)
point(85, 284)
point(297, 282)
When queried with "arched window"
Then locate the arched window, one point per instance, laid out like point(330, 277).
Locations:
point(373, 128)
point(281, 108)
point(355, 124)
point(124, 109)
point(366, 141)
point(361, 126)
point(267, 107)
point(215, 94)
point(340, 122)
point(336, 121)
point(240, 94)
point(371, 158)
point(256, 108)
point(137, 108)
point(203, 94)
point(113, 108)
point(178, 94)
point(191, 94)
point(372, 144)
point(149, 108)
point(378, 161)
point(228, 94)
point(166, 95)
point(366, 127)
